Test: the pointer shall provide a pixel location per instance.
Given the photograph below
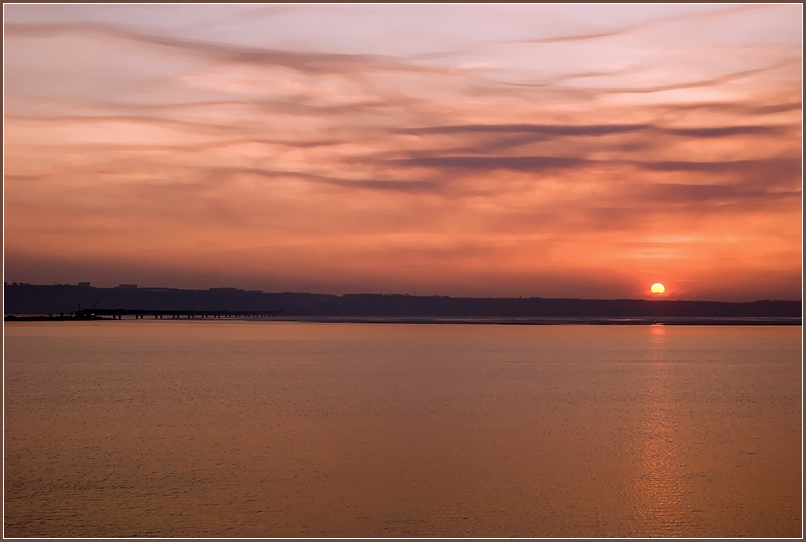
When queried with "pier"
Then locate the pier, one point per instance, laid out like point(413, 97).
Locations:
point(173, 314)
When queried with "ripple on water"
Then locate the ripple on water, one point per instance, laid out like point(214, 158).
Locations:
point(246, 430)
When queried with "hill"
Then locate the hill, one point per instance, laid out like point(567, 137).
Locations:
point(27, 299)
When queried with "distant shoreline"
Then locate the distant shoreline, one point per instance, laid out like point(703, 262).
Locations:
point(129, 300)
point(545, 321)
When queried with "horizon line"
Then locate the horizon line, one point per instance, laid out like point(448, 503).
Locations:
point(132, 287)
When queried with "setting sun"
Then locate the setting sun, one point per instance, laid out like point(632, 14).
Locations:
point(658, 288)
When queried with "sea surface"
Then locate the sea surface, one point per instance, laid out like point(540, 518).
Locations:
point(294, 429)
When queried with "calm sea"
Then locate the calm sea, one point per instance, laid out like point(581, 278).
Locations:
point(255, 429)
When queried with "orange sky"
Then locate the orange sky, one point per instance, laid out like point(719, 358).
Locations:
point(554, 151)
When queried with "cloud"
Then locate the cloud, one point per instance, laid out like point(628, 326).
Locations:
point(561, 130)
point(163, 122)
point(703, 83)
point(705, 194)
point(633, 28)
point(738, 107)
point(312, 63)
point(596, 130)
point(492, 163)
point(592, 92)
point(779, 166)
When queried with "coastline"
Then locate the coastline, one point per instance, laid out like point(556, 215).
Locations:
point(542, 320)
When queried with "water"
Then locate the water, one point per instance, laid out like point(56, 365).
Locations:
point(253, 429)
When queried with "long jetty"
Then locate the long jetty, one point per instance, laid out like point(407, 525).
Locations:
point(159, 314)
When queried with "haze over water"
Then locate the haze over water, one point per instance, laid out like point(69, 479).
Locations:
point(249, 429)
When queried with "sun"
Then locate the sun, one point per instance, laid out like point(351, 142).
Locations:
point(658, 288)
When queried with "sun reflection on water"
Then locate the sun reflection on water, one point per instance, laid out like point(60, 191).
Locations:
point(661, 487)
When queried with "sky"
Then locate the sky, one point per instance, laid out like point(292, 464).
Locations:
point(542, 150)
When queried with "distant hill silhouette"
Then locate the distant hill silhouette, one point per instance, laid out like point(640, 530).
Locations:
point(22, 299)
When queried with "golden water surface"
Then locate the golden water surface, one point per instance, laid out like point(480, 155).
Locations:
point(255, 429)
